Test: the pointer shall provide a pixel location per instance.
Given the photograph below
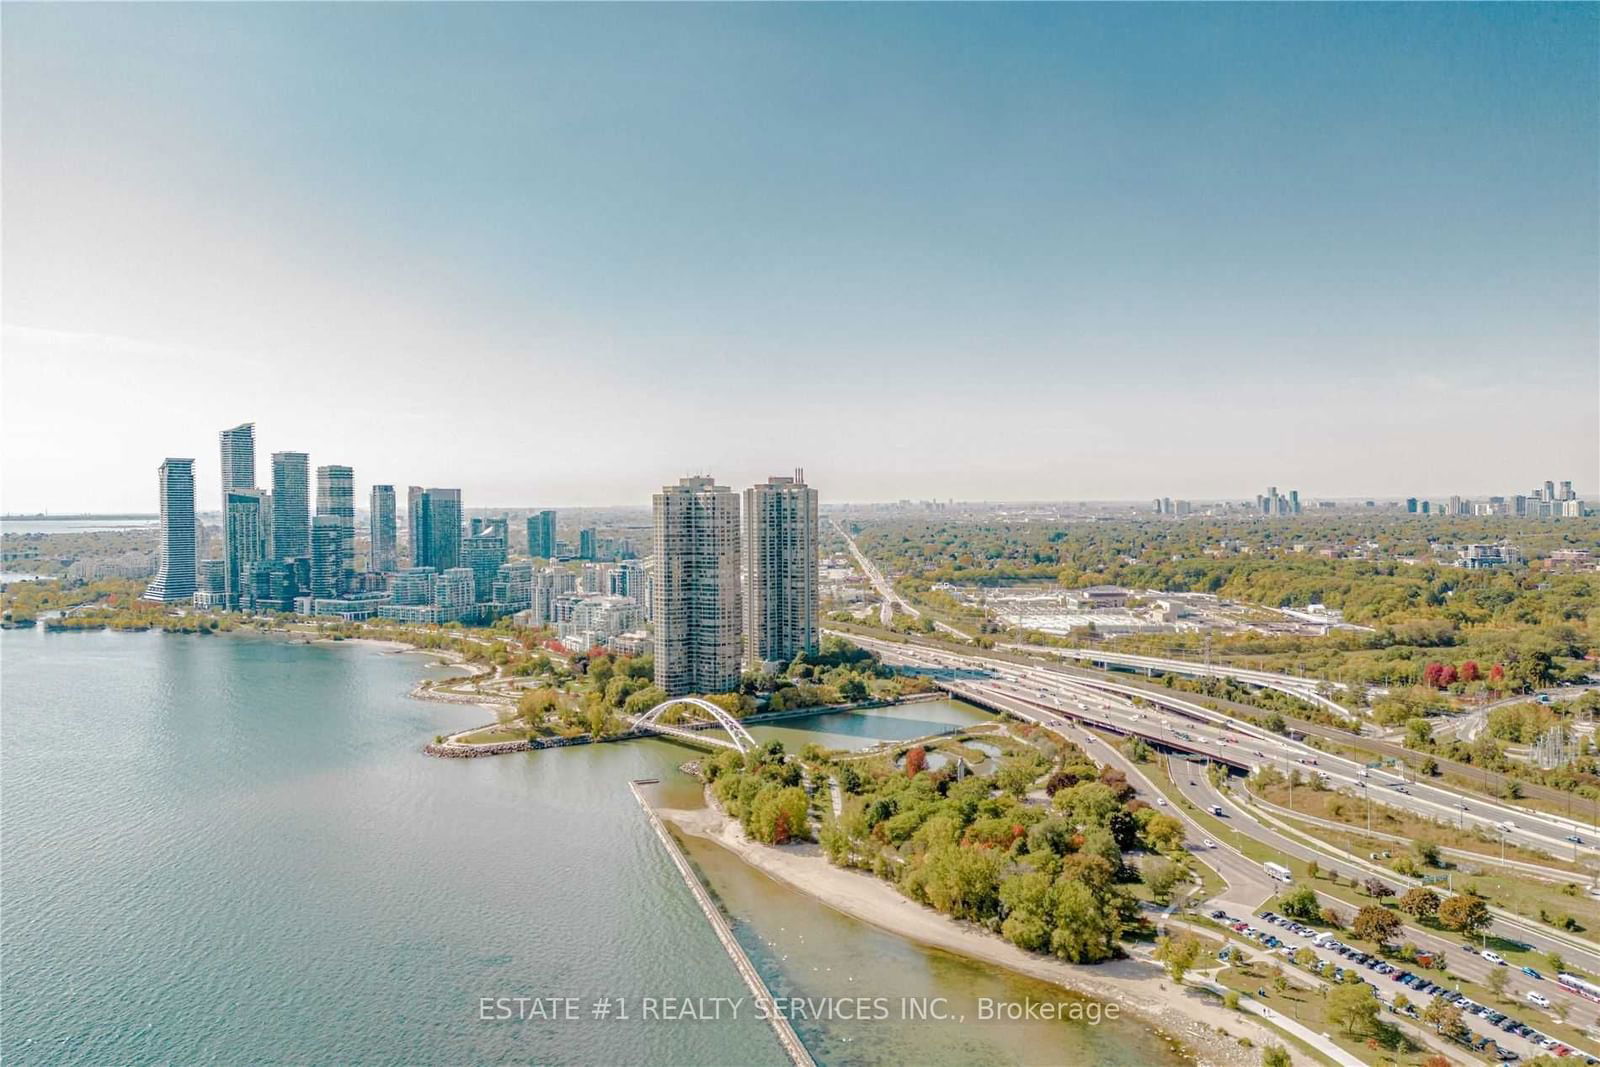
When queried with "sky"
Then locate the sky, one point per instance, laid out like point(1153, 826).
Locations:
point(561, 254)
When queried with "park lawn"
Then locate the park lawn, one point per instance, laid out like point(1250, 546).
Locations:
point(1518, 893)
point(493, 735)
point(1339, 806)
point(1515, 953)
point(1578, 808)
point(1309, 1008)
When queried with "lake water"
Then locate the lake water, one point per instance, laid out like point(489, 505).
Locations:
point(230, 849)
point(62, 526)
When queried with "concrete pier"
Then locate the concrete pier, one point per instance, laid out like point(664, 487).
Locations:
point(758, 987)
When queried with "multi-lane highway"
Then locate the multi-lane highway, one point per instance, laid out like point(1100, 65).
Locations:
point(1179, 722)
point(1307, 689)
point(1050, 695)
point(891, 599)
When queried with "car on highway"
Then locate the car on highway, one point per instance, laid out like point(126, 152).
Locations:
point(1531, 973)
point(1208, 843)
point(1538, 998)
point(1574, 839)
point(1161, 802)
point(1493, 957)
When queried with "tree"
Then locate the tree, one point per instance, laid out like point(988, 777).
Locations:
point(1377, 888)
point(534, 705)
point(1300, 903)
point(1280, 981)
point(1304, 957)
point(1178, 955)
point(1275, 1056)
point(853, 689)
point(1162, 876)
point(1420, 902)
point(1376, 923)
point(1312, 869)
point(1419, 733)
point(1028, 905)
point(779, 814)
point(1164, 833)
point(1465, 913)
point(1087, 925)
point(1496, 981)
point(1090, 803)
point(1442, 1015)
point(1554, 961)
point(916, 759)
point(1332, 918)
point(1354, 1007)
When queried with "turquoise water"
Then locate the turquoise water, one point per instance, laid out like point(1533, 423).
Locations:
point(230, 849)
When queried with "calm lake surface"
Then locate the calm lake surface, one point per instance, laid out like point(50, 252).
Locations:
point(230, 849)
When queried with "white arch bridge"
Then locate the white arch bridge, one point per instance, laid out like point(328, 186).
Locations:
point(739, 738)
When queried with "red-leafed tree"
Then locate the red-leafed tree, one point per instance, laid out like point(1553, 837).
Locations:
point(1431, 675)
point(916, 759)
point(1470, 672)
point(1447, 676)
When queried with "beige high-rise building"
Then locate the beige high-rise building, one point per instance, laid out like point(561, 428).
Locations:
point(698, 621)
point(780, 560)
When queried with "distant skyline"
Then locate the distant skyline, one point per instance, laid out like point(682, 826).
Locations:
point(567, 255)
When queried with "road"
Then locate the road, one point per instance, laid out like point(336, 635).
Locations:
point(1249, 889)
point(1198, 789)
point(891, 599)
point(1307, 689)
point(1045, 694)
point(1195, 726)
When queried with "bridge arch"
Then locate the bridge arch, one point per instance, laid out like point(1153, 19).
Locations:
point(739, 738)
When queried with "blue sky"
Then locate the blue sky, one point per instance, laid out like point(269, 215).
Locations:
point(562, 254)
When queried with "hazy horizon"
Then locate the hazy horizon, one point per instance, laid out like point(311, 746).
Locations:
point(1008, 253)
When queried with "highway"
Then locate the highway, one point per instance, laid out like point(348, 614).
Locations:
point(1199, 791)
point(1307, 689)
point(1047, 695)
point(891, 599)
point(1249, 888)
point(1186, 724)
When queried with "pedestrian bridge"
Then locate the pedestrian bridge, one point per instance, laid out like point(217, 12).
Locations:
point(739, 738)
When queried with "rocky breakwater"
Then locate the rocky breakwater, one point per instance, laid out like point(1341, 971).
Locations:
point(451, 750)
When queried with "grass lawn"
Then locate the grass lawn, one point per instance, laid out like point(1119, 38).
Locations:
point(1339, 806)
point(494, 734)
point(1309, 1008)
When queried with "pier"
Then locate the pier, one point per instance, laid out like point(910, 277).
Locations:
point(719, 924)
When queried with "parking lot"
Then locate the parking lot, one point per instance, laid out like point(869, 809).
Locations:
point(1495, 1033)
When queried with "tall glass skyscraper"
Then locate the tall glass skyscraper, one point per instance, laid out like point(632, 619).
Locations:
point(174, 580)
point(327, 563)
point(291, 505)
point(382, 530)
point(336, 499)
point(244, 528)
point(444, 529)
point(434, 518)
point(239, 457)
point(542, 534)
point(418, 537)
point(238, 472)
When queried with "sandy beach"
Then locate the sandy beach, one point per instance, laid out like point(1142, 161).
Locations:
point(1207, 1028)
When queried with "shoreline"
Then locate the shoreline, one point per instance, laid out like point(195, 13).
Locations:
point(1137, 987)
